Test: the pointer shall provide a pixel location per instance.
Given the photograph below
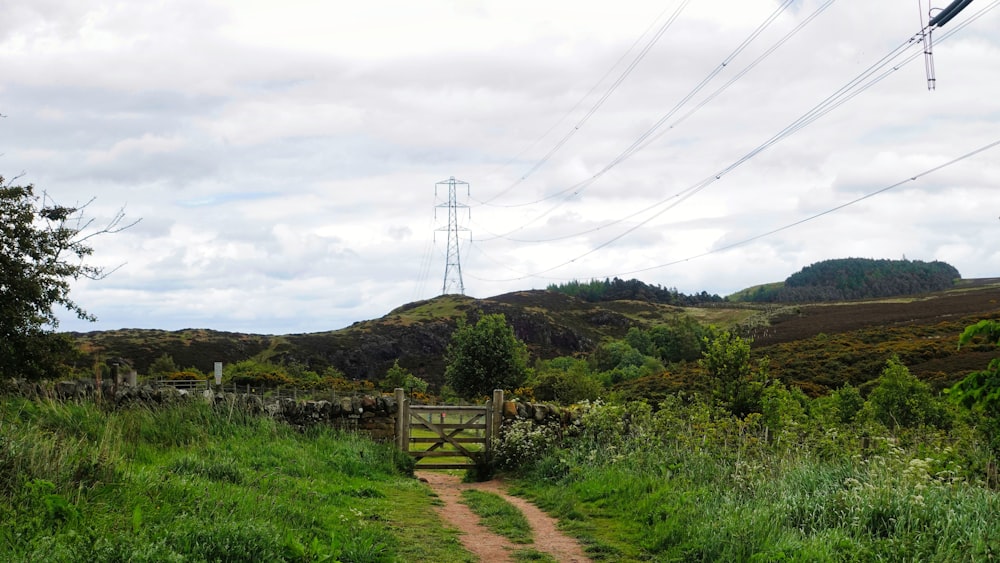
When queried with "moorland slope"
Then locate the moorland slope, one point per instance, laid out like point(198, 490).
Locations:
point(815, 345)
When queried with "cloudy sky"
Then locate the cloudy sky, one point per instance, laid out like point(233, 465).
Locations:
point(284, 156)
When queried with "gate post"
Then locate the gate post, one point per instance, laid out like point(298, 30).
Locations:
point(494, 418)
point(402, 420)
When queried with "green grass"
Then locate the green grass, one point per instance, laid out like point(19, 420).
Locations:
point(192, 483)
point(525, 555)
point(685, 484)
point(498, 515)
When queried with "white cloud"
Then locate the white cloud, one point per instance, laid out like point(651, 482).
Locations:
point(284, 156)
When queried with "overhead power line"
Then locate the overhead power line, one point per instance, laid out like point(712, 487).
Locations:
point(644, 139)
point(866, 79)
point(913, 178)
point(600, 102)
point(841, 96)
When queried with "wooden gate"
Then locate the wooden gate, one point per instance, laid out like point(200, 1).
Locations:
point(460, 427)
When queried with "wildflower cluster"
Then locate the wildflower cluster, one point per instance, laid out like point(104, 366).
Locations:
point(523, 442)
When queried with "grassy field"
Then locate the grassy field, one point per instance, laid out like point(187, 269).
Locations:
point(191, 482)
point(686, 481)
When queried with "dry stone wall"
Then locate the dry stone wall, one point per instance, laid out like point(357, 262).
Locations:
point(374, 415)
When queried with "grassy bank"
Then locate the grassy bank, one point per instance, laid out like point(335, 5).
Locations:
point(195, 482)
point(691, 483)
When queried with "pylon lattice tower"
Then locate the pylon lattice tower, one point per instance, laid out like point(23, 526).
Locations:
point(453, 265)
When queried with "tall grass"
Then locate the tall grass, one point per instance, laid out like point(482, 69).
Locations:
point(193, 481)
point(692, 484)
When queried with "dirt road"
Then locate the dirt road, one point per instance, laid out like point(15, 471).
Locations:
point(486, 545)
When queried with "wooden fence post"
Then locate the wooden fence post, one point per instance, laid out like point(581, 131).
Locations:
point(488, 438)
point(495, 419)
point(402, 420)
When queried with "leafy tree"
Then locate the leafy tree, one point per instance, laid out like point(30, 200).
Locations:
point(980, 390)
point(782, 407)
point(737, 385)
point(163, 366)
point(641, 341)
point(448, 395)
point(43, 247)
point(565, 380)
point(900, 399)
point(398, 376)
point(616, 354)
point(848, 402)
point(485, 356)
point(679, 340)
point(618, 361)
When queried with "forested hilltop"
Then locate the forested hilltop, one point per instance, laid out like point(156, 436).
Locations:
point(597, 291)
point(855, 278)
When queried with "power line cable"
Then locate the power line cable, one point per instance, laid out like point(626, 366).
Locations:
point(913, 178)
point(638, 145)
point(829, 211)
point(600, 102)
point(840, 97)
point(833, 101)
point(423, 271)
point(568, 113)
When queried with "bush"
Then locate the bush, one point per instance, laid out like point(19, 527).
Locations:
point(900, 399)
point(521, 443)
point(566, 381)
point(250, 372)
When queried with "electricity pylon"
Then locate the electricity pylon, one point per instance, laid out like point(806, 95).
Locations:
point(453, 264)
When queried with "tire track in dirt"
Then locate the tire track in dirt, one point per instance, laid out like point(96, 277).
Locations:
point(486, 545)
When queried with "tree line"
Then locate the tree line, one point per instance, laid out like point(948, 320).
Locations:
point(858, 278)
point(616, 289)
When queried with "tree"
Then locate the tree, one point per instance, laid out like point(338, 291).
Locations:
point(980, 390)
point(163, 366)
point(400, 377)
point(565, 380)
point(43, 247)
point(737, 386)
point(485, 356)
point(679, 340)
point(900, 399)
point(618, 361)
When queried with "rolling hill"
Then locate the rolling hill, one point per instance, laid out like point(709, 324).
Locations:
point(817, 346)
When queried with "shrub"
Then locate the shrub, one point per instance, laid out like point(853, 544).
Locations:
point(521, 443)
point(250, 372)
point(900, 399)
point(565, 381)
point(738, 386)
point(189, 374)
